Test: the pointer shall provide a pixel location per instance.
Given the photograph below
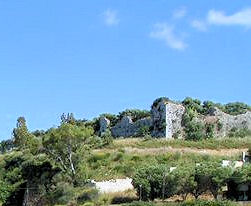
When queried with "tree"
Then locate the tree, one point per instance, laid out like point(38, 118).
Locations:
point(207, 106)
point(135, 114)
point(25, 178)
point(184, 177)
point(4, 190)
point(66, 145)
point(194, 130)
point(154, 182)
point(236, 108)
point(6, 145)
point(22, 138)
point(211, 176)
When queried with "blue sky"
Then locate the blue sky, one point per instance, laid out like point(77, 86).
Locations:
point(96, 56)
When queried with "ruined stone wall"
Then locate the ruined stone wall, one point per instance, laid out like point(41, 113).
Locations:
point(174, 113)
point(241, 121)
point(166, 120)
point(127, 128)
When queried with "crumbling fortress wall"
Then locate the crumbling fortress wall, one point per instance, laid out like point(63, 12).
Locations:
point(166, 120)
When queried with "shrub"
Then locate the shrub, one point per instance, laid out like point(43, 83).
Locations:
point(209, 130)
point(193, 104)
point(144, 131)
point(135, 114)
point(118, 156)
point(158, 100)
point(194, 131)
point(154, 182)
point(234, 132)
point(107, 138)
point(219, 125)
point(176, 135)
point(236, 108)
point(207, 203)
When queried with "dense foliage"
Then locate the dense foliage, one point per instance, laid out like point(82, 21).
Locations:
point(161, 181)
point(55, 166)
point(47, 167)
point(187, 203)
point(233, 108)
point(195, 129)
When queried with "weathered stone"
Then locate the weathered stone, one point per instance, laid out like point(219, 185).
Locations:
point(126, 127)
point(166, 120)
point(104, 124)
point(241, 121)
point(167, 117)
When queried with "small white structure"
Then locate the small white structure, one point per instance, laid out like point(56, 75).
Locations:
point(234, 164)
point(111, 186)
point(172, 168)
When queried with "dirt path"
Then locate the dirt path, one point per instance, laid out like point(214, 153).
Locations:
point(162, 150)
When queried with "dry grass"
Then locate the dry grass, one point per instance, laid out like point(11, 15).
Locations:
point(215, 144)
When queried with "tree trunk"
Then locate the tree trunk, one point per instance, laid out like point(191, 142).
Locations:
point(70, 159)
point(26, 196)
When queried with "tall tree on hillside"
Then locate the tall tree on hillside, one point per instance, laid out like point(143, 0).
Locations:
point(20, 133)
point(66, 145)
point(23, 139)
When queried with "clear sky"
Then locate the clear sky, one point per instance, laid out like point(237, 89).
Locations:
point(96, 56)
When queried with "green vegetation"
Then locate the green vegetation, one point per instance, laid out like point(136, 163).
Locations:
point(214, 144)
point(135, 114)
point(187, 203)
point(162, 181)
point(107, 164)
point(233, 108)
point(197, 130)
point(49, 168)
point(54, 167)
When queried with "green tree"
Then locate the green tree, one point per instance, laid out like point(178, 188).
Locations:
point(22, 138)
point(194, 130)
point(135, 114)
point(236, 108)
point(6, 145)
point(184, 177)
point(67, 146)
point(26, 178)
point(5, 190)
point(154, 182)
point(211, 176)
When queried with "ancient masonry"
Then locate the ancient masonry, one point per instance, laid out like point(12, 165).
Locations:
point(166, 120)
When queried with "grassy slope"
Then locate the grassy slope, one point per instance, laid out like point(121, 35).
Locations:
point(126, 155)
point(216, 144)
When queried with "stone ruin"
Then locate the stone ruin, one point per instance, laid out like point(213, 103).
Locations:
point(166, 120)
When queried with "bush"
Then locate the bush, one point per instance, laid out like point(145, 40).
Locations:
point(153, 182)
point(207, 203)
point(188, 203)
point(118, 156)
point(144, 131)
point(107, 138)
point(140, 204)
point(194, 131)
point(135, 114)
point(158, 100)
point(209, 130)
point(234, 132)
point(236, 108)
